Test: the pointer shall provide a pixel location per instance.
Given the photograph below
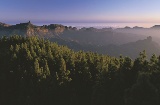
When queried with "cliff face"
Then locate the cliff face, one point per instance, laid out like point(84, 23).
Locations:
point(28, 29)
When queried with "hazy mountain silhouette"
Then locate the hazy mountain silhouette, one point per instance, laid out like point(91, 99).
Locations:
point(104, 41)
point(132, 49)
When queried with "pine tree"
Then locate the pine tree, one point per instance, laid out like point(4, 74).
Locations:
point(37, 68)
point(142, 93)
point(46, 69)
point(63, 74)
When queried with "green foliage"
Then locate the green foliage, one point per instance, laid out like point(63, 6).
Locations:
point(35, 71)
point(143, 92)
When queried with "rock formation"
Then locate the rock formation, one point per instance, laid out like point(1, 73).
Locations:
point(28, 29)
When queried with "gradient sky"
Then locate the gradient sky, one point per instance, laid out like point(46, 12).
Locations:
point(14, 11)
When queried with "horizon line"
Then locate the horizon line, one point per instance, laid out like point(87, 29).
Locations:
point(113, 25)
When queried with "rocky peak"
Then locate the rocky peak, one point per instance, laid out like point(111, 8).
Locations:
point(4, 25)
point(24, 25)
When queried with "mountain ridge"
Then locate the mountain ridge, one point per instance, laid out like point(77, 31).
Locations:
point(29, 29)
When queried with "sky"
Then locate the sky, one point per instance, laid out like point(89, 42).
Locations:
point(120, 11)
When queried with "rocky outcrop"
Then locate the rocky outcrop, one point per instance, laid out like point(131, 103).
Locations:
point(4, 25)
point(28, 29)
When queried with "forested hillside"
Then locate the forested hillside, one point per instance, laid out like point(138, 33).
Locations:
point(35, 71)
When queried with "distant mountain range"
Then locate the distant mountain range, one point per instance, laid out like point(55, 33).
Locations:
point(126, 41)
point(29, 29)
